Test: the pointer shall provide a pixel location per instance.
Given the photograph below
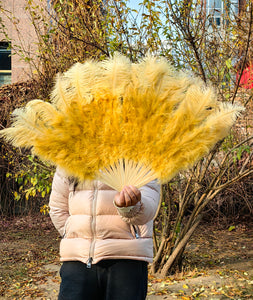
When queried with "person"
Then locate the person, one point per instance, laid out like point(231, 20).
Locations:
point(106, 238)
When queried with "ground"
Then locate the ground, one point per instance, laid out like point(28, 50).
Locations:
point(218, 263)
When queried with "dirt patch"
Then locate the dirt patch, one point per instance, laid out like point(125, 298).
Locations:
point(218, 264)
point(27, 246)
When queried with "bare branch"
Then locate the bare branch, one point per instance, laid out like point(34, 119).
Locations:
point(246, 51)
point(180, 245)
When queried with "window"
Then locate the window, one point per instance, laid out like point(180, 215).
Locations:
point(215, 11)
point(219, 10)
point(5, 63)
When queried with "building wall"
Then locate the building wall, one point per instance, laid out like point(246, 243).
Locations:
point(21, 34)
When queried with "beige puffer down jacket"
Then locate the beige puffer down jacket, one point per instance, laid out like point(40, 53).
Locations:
point(94, 229)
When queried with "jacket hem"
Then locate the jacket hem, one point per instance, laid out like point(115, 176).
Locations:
point(96, 260)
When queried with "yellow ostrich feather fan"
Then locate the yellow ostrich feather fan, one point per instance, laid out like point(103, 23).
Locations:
point(123, 123)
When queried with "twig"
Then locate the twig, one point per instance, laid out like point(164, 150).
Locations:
point(246, 52)
point(180, 245)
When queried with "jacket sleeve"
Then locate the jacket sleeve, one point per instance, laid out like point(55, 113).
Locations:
point(58, 202)
point(145, 210)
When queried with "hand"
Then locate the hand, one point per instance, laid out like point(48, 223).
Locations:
point(129, 196)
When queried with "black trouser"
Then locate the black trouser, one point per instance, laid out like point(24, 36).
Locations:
point(116, 279)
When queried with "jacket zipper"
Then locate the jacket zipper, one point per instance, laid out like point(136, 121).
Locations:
point(136, 232)
point(93, 228)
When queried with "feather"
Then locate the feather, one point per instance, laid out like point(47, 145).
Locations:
point(116, 71)
point(58, 94)
point(82, 80)
point(122, 122)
